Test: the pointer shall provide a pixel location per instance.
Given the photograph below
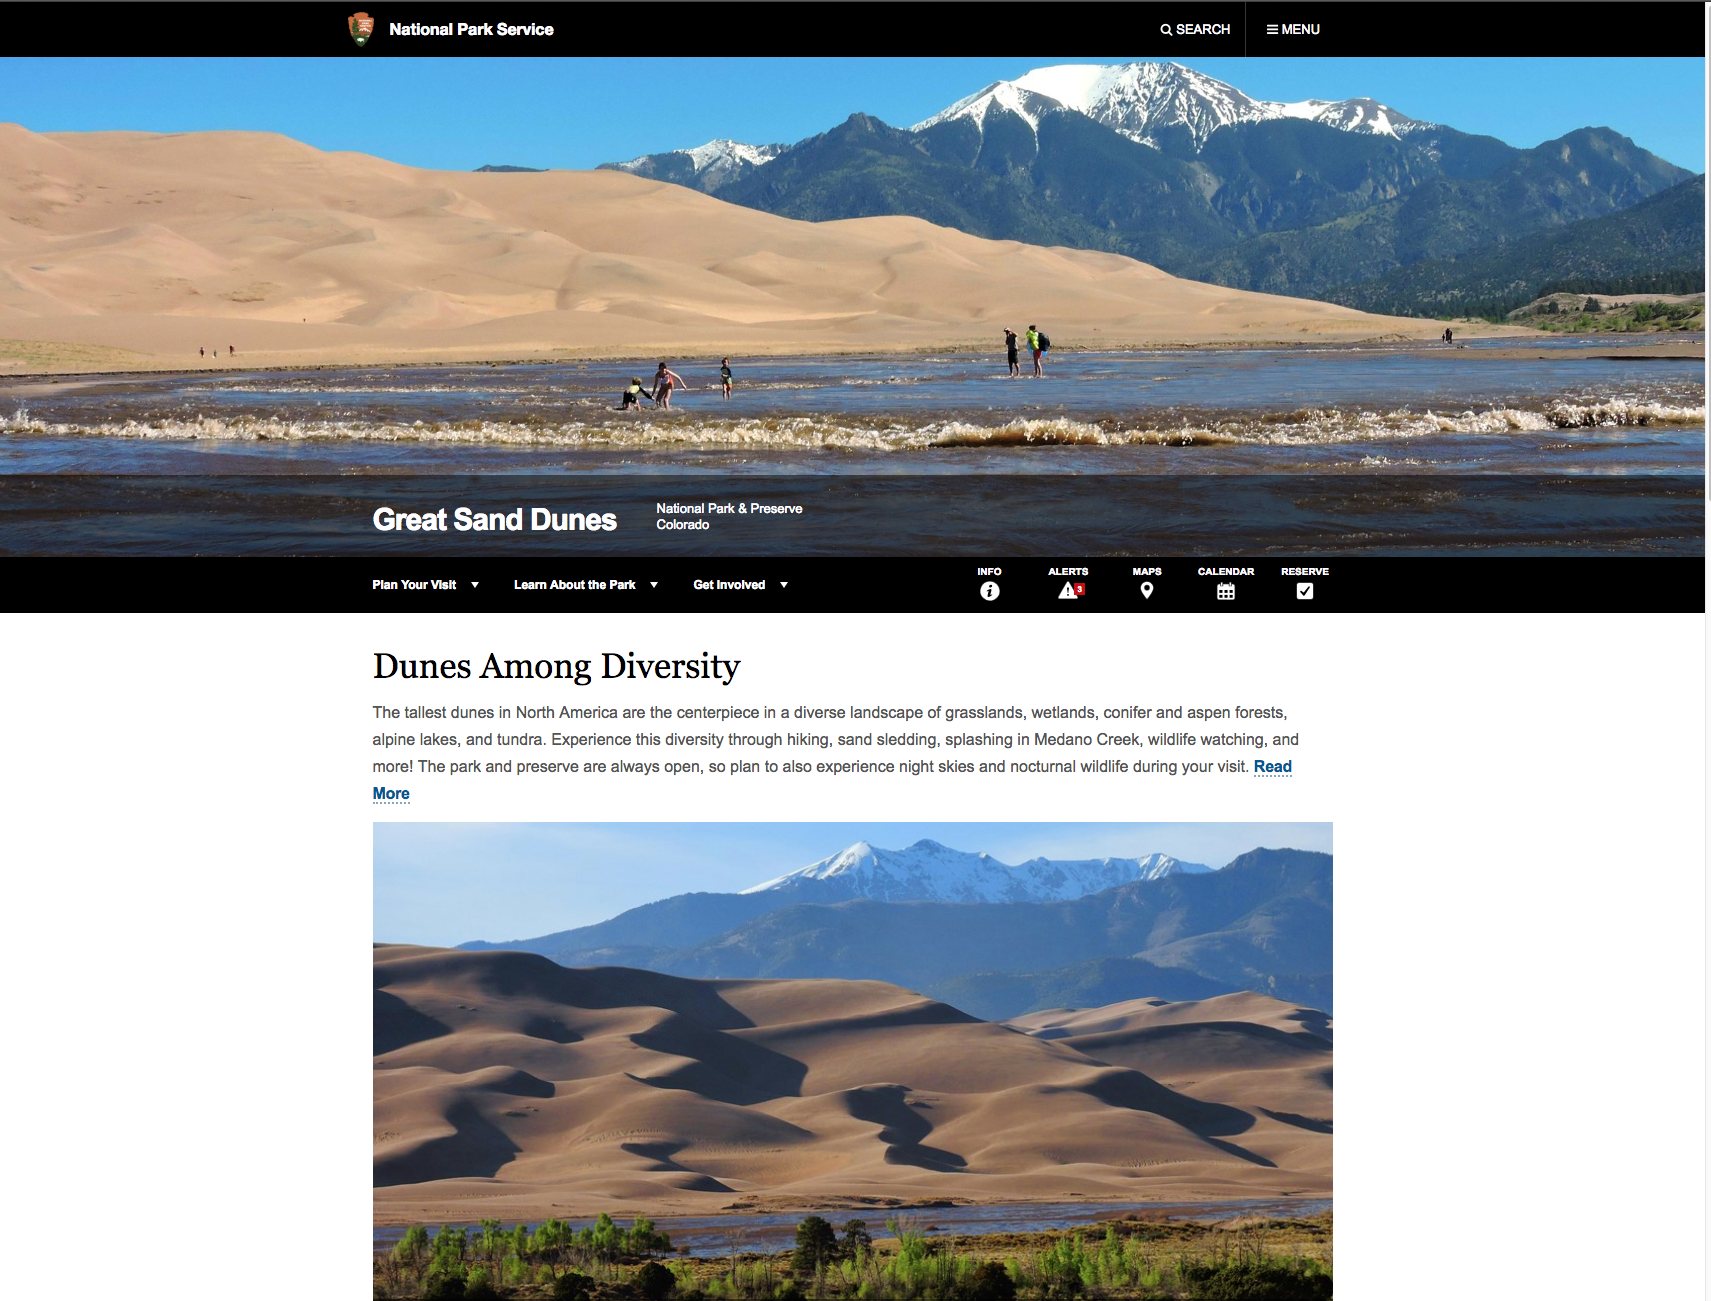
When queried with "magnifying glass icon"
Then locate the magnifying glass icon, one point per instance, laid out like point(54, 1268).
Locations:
point(1164, 29)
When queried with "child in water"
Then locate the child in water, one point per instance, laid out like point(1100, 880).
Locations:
point(663, 381)
point(725, 375)
point(633, 395)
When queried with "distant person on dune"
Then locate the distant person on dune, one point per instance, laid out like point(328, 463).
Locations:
point(1010, 347)
point(1036, 346)
point(663, 380)
point(725, 375)
point(201, 352)
point(231, 350)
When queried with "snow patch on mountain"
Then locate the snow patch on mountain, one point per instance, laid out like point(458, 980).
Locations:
point(1137, 99)
point(1013, 97)
point(931, 872)
point(714, 162)
point(715, 152)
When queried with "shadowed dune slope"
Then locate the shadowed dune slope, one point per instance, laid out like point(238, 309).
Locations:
point(506, 1084)
point(1244, 1050)
point(161, 243)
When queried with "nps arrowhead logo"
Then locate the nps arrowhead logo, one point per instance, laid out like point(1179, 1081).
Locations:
point(362, 27)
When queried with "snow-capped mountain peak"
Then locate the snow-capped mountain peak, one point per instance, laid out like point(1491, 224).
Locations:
point(713, 162)
point(720, 151)
point(1013, 96)
point(929, 871)
point(1137, 99)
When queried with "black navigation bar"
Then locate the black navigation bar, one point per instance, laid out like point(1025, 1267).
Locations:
point(782, 585)
point(489, 28)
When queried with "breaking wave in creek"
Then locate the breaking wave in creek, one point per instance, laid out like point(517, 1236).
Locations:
point(1302, 427)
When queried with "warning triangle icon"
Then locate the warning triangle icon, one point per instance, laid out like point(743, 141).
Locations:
point(1068, 593)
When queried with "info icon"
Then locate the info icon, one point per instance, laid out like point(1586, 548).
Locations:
point(989, 590)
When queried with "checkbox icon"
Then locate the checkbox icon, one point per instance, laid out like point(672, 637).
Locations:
point(1304, 591)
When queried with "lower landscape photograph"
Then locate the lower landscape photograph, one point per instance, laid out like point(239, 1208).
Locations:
point(957, 1062)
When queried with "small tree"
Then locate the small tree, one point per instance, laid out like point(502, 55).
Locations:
point(816, 1245)
point(607, 1239)
point(643, 1240)
point(857, 1241)
point(412, 1246)
point(736, 1238)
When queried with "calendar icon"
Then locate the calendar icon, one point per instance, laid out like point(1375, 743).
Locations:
point(1226, 591)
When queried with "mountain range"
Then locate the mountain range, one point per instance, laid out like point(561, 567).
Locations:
point(930, 872)
point(994, 940)
point(1161, 163)
point(1640, 244)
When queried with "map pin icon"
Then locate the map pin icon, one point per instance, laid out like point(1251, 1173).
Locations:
point(1146, 589)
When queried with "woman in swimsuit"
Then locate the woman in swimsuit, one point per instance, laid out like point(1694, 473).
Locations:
point(663, 380)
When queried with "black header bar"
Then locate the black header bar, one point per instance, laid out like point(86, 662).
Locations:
point(488, 28)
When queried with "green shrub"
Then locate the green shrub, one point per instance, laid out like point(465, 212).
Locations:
point(990, 1282)
point(654, 1281)
point(571, 1286)
point(1256, 1280)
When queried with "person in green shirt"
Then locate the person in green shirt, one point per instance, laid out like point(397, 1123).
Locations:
point(1034, 347)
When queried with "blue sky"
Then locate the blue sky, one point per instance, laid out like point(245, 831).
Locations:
point(444, 883)
point(457, 114)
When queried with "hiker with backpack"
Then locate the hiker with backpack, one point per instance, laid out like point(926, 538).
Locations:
point(1039, 345)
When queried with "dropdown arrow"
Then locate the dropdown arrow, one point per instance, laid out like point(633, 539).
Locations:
point(475, 584)
point(653, 584)
point(784, 584)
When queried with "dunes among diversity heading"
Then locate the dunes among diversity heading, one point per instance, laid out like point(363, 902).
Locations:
point(506, 1085)
point(152, 246)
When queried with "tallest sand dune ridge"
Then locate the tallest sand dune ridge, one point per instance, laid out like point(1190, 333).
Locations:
point(507, 1085)
point(131, 250)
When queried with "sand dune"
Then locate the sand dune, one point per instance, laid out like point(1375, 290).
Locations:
point(505, 1084)
point(159, 244)
point(1247, 1051)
